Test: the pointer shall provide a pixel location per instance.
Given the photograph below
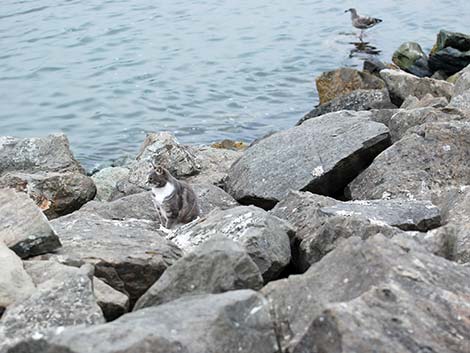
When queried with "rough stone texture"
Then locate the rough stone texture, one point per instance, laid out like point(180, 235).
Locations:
point(140, 206)
point(401, 84)
point(129, 255)
point(112, 302)
point(31, 155)
point(449, 60)
point(216, 266)
point(322, 156)
point(56, 194)
point(15, 283)
point(383, 116)
point(333, 84)
point(411, 102)
point(462, 82)
point(106, 180)
point(373, 293)
point(461, 102)
point(433, 157)
point(451, 39)
point(57, 302)
point(232, 322)
point(356, 100)
point(265, 237)
point(411, 58)
point(24, 228)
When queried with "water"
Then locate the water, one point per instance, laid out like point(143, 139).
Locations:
point(106, 72)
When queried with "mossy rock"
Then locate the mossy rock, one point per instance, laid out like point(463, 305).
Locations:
point(446, 39)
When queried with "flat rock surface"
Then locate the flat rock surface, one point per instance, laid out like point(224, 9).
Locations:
point(322, 156)
point(24, 228)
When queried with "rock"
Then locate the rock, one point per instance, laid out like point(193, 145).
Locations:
point(333, 84)
point(373, 65)
point(440, 75)
point(461, 102)
point(128, 255)
point(373, 294)
point(428, 101)
point(24, 228)
point(462, 83)
point(421, 164)
point(66, 301)
point(265, 237)
point(401, 84)
point(230, 145)
point(356, 100)
point(411, 58)
point(455, 40)
point(322, 156)
point(449, 60)
point(15, 283)
point(106, 180)
point(32, 155)
point(113, 303)
point(236, 321)
point(382, 116)
point(56, 194)
point(216, 266)
point(140, 206)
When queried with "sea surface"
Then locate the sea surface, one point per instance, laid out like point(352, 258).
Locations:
point(107, 72)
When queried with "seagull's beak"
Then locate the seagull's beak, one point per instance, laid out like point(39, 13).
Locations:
point(346, 11)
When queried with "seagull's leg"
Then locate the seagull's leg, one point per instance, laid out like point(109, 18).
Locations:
point(362, 33)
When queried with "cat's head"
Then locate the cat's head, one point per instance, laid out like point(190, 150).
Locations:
point(158, 177)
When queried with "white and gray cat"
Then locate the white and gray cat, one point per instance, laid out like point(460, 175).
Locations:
point(174, 199)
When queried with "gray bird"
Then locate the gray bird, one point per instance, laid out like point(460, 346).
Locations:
point(362, 22)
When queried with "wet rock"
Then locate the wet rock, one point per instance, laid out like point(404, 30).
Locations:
point(449, 60)
point(421, 164)
point(230, 145)
point(411, 58)
point(32, 155)
point(57, 302)
point(216, 266)
point(356, 100)
point(236, 321)
point(112, 302)
point(265, 237)
point(24, 228)
point(56, 194)
point(322, 156)
point(455, 40)
point(333, 84)
point(106, 180)
point(373, 293)
point(15, 283)
point(128, 255)
point(373, 66)
point(402, 84)
point(428, 101)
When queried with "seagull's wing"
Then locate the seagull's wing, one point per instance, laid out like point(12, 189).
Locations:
point(367, 22)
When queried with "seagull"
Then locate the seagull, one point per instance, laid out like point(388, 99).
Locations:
point(362, 22)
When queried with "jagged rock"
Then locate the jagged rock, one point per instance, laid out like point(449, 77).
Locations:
point(449, 60)
point(322, 156)
point(216, 266)
point(428, 101)
point(232, 322)
point(356, 100)
point(411, 58)
point(57, 302)
point(375, 294)
point(113, 303)
point(265, 237)
point(32, 155)
point(141, 206)
point(56, 194)
point(401, 84)
point(129, 255)
point(451, 39)
point(333, 84)
point(434, 156)
point(15, 283)
point(106, 180)
point(24, 228)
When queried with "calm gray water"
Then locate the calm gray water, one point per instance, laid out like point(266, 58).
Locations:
point(106, 72)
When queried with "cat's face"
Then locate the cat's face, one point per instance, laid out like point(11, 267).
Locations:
point(158, 177)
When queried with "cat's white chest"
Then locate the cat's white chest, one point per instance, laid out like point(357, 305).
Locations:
point(160, 194)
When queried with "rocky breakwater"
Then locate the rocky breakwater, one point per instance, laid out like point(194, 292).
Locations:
point(348, 232)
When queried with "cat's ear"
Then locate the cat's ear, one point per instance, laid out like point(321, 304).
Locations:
point(159, 170)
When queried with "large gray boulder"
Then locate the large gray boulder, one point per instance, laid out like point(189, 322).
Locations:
point(266, 238)
point(24, 228)
point(375, 294)
point(232, 322)
point(129, 255)
point(421, 164)
point(322, 156)
point(411, 58)
point(15, 283)
point(32, 155)
point(216, 266)
point(401, 84)
point(57, 194)
point(58, 302)
point(106, 180)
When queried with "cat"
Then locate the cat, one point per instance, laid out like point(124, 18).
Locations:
point(175, 200)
